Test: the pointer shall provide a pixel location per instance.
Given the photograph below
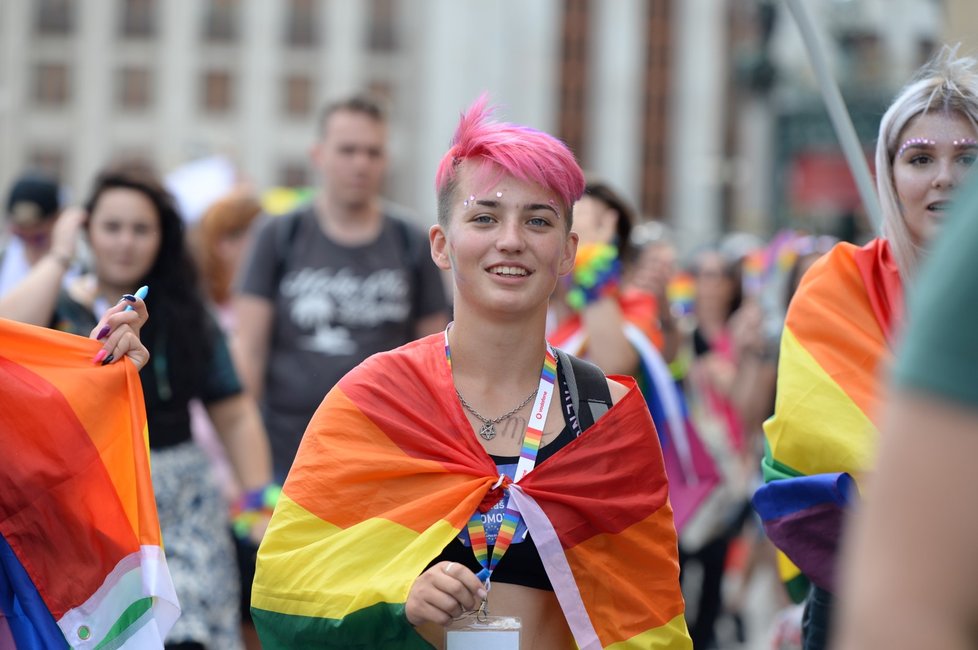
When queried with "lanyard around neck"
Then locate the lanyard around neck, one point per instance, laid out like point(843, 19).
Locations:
point(527, 461)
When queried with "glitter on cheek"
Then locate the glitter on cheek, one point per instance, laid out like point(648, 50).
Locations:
point(499, 195)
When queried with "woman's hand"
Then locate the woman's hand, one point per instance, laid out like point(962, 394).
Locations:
point(64, 235)
point(442, 593)
point(119, 333)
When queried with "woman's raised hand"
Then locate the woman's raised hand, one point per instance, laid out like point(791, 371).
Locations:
point(119, 332)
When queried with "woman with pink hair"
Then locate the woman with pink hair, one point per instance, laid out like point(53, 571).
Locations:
point(480, 481)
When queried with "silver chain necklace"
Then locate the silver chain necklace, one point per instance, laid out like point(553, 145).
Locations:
point(488, 430)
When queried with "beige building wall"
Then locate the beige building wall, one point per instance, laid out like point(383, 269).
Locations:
point(962, 24)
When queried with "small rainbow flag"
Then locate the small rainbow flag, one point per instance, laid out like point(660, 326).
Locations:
point(81, 561)
point(681, 293)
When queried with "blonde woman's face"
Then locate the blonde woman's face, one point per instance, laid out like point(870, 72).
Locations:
point(935, 152)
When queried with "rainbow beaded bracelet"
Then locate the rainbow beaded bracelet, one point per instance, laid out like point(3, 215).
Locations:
point(252, 507)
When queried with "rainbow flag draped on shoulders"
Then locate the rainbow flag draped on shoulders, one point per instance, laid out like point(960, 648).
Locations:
point(81, 561)
point(837, 343)
point(389, 473)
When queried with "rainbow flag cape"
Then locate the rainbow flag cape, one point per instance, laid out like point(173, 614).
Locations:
point(691, 470)
point(81, 561)
point(836, 343)
point(388, 474)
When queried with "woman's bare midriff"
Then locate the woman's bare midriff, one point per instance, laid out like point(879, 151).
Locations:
point(542, 622)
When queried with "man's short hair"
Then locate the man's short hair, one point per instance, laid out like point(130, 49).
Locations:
point(362, 104)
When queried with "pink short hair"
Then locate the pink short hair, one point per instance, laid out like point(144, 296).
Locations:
point(500, 148)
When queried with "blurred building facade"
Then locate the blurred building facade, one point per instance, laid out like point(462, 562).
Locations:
point(703, 112)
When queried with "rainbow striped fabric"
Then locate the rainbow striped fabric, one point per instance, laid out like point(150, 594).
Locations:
point(835, 345)
point(81, 561)
point(389, 473)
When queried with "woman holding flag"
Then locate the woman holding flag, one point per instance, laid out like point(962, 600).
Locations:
point(137, 238)
point(842, 323)
point(479, 474)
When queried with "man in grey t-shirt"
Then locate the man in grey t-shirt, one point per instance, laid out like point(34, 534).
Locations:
point(324, 288)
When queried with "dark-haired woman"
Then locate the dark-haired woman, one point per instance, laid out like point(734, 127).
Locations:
point(137, 238)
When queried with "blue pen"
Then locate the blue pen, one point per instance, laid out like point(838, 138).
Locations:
point(141, 293)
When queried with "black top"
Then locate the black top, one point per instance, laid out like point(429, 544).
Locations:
point(521, 565)
point(166, 396)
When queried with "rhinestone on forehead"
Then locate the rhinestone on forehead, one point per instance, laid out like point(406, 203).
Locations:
point(914, 141)
point(966, 142)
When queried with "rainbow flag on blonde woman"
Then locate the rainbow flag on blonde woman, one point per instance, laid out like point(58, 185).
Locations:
point(836, 344)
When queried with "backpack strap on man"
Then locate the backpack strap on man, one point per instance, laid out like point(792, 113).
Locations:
point(588, 387)
point(285, 229)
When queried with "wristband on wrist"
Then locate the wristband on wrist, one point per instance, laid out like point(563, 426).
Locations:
point(596, 275)
point(252, 507)
point(63, 260)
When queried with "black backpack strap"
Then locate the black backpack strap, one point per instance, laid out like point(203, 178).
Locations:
point(410, 241)
point(588, 387)
point(286, 228)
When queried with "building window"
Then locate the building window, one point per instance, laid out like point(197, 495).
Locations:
point(302, 23)
point(217, 91)
point(866, 60)
point(138, 18)
point(574, 75)
point(50, 160)
point(134, 88)
point(51, 84)
point(655, 119)
point(221, 20)
point(55, 17)
point(381, 92)
point(297, 98)
point(293, 174)
point(382, 27)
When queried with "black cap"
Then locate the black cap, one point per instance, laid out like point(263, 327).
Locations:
point(33, 198)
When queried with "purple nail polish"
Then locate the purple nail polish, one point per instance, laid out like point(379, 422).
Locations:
point(108, 359)
point(102, 333)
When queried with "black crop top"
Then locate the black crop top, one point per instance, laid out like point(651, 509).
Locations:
point(521, 565)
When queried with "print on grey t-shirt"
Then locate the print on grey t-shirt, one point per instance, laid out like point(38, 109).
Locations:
point(331, 302)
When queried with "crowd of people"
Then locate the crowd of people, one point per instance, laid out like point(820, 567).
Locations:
point(540, 418)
